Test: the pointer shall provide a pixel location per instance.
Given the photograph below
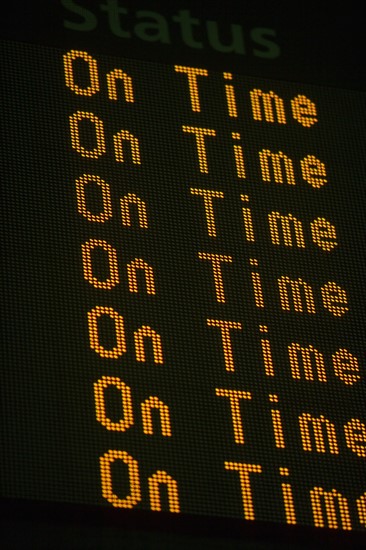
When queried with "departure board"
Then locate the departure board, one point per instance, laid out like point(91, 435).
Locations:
point(183, 290)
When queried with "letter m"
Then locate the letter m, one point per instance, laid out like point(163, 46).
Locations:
point(296, 294)
point(286, 230)
point(320, 427)
point(270, 104)
point(306, 363)
point(335, 506)
point(276, 167)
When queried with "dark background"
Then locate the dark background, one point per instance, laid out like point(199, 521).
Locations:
point(318, 44)
point(315, 48)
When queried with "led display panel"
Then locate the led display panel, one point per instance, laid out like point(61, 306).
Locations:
point(183, 300)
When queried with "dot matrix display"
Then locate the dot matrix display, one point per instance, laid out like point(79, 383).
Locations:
point(183, 290)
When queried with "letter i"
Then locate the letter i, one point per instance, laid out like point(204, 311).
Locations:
point(230, 96)
point(277, 424)
point(248, 220)
point(266, 352)
point(288, 498)
point(257, 284)
point(239, 156)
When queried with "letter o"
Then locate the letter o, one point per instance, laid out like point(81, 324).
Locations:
point(69, 59)
point(127, 421)
point(106, 213)
point(133, 474)
point(120, 347)
point(113, 278)
point(100, 147)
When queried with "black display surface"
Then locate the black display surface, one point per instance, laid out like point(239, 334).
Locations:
point(183, 305)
